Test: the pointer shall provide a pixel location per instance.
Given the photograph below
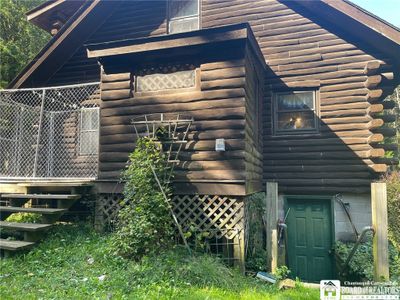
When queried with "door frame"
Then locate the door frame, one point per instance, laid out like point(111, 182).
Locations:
point(286, 200)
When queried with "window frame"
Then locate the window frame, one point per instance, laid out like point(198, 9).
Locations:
point(169, 18)
point(82, 131)
point(316, 113)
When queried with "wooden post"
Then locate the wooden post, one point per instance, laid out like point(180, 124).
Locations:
point(99, 223)
point(380, 224)
point(272, 219)
point(238, 250)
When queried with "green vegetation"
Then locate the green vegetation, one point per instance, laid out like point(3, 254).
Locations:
point(393, 194)
point(395, 97)
point(144, 222)
point(74, 263)
point(361, 266)
point(256, 247)
point(20, 41)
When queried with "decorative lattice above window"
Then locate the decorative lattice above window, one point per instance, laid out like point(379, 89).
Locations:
point(169, 81)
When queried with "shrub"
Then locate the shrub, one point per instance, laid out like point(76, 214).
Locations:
point(393, 196)
point(256, 253)
point(144, 222)
point(361, 265)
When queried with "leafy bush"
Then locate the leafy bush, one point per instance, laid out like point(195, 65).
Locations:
point(393, 194)
point(282, 272)
point(144, 221)
point(25, 218)
point(361, 265)
point(256, 253)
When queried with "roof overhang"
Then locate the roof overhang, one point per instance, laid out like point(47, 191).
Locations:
point(350, 18)
point(174, 41)
point(63, 45)
point(44, 15)
point(198, 39)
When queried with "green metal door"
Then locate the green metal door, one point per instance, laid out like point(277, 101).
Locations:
point(309, 227)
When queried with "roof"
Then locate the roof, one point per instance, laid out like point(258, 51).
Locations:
point(42, 15)
point(62, 46)
point(351, 18)
point(344, 14)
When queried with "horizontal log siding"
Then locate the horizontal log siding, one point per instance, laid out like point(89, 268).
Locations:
point(132, 19)
point(253, 132)
point(302, 53)
point(218, 110)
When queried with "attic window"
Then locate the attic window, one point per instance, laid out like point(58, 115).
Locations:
point(169, 81)
point(295, 112)
point(183, 15)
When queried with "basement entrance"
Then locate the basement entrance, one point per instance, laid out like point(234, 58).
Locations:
point(49, 132)
point(310, 238)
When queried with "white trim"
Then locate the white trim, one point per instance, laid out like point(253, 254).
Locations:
point(35, 14)
point(81, 131)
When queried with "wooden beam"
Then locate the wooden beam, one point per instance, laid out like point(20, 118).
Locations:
point(380, 225)
point(118, 48)
point(272, 219)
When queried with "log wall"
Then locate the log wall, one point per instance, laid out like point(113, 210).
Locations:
point(352, 81)
point(253, 131)
point(301, 52)
point(218, 107)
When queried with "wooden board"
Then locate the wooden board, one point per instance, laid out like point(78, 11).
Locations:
point(24, 226)
point(44, 211)
point(14, 245)
point(41, 196)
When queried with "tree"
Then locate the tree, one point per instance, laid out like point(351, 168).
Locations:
point(395, 97)
point(20, 40)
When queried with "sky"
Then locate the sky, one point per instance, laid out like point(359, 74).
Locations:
point(389, 10)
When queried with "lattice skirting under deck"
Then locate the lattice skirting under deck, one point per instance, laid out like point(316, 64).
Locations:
point(106, 211)
point(220, 216)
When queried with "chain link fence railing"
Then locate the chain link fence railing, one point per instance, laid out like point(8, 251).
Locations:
point(49, 132)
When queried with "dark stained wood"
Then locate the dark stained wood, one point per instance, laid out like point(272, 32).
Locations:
point(302, 49)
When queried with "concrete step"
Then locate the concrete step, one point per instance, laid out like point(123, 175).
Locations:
point(14, 245)
point(32, 227)
point(42, 196)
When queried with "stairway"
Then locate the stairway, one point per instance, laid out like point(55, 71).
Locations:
point(52, 207)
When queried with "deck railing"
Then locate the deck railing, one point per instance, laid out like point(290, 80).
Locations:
point(50, 132)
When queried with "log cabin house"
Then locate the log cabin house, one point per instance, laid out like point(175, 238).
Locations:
point(291, 92)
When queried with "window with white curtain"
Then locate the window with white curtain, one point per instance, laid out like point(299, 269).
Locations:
point(295, 112)
point(183, 15)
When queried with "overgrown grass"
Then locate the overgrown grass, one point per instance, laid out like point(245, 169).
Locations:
point(75, 263)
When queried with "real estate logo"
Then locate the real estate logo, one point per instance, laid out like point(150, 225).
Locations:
point(329, 290)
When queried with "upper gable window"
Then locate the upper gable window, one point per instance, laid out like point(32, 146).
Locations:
point(295, 112)
point(183, 15)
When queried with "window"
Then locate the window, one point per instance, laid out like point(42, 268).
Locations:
point(183, 15)
point(169, 81)
point(89, 131)
point(295, 112)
